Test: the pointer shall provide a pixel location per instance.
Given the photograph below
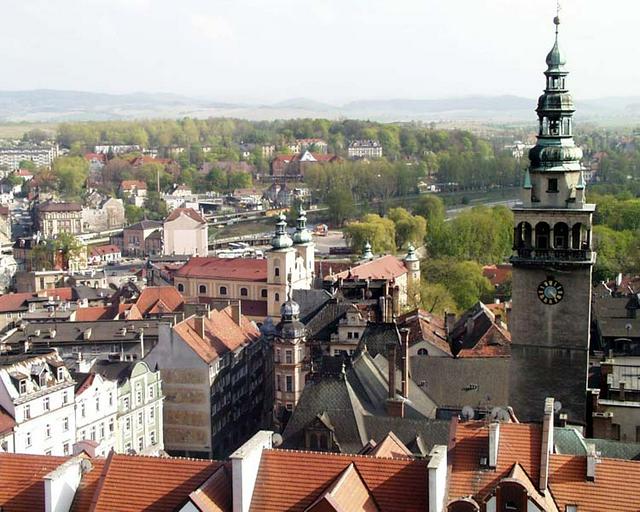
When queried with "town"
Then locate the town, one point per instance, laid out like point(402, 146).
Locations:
point(322, 315)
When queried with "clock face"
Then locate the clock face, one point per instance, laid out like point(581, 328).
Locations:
point(550, 291)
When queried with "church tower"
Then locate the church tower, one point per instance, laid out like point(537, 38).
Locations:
point(305, 259)
point(552, 262)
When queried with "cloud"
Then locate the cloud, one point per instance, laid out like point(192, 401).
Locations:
point(212, 27)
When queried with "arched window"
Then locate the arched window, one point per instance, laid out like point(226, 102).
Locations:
point(576, 236)
point(244, 292)
point(202, 289)
point(561, 236)
point(523, 235)
point(542, 235)
point(277, 297)
point(276, 271)
point(423, 352)
point(180, 287)
point(264, 293)
point(223, 290)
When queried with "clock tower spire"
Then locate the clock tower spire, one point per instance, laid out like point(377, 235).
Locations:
point(552, 260)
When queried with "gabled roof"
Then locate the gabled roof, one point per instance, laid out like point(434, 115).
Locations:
point(94, 313)
point(101, 250)
point(22, 489)
point(159, 300)
point(10, 302)
point(51, 206)
point(221, 334)
point(347, 492)
point(133, 483)
point(386, 267)
point(214, 495)
point(233, 269)
point(133, 184)
point(188, 212)
point(292, 481)
point(143, 225)
point(391, 447)
point(425, 326)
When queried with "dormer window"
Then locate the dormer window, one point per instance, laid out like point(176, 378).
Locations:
point(23, 386)
point(42, 379)
point(61, 373)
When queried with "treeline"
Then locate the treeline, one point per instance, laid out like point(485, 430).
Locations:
point(454, 157)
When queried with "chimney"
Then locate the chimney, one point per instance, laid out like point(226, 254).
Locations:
point(437, 471)
point(592, 461)
point(404, 335)
point(60, 485)
point(245, 462)
point(562, 419)
point(449, 322)
point(199, 325)
point(494, 444)
point(391, 358)
point(546, 446)
point(236, 311)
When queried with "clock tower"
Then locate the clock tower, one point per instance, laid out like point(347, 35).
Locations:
point(552, 262)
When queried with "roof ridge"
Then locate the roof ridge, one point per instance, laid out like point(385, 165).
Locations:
point(344, 455)
point(101, 482)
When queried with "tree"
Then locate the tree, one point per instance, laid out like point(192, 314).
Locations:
point(378, 231)
point(155, 206)
point(431, 207)
point(36, 136)
point(432, 297)
point(340, 204)
point(133, 213)
point(71, 173)
point(238, 180)
point(463, 279)
point(66, 248)
point(409, 228)
point(27, 164)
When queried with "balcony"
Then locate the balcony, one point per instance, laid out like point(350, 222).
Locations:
point(570, 256)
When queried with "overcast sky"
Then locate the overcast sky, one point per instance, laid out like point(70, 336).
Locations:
point(328, 50)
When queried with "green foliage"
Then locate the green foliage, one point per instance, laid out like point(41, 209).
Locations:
point(432, 297)
point(133, 213)
point(155, 207)
point(409, 228)
point(432, 208)
point(238, 180)
point(463, 280)
point(481, 234)
point(71, 173)
point(27, 164)
point(340, 204)
point(378, 231)
point(617, 251)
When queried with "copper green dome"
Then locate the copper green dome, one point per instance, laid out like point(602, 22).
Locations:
point(555, 59)
point(554, 156)
point(302, 234)
point(281, 239)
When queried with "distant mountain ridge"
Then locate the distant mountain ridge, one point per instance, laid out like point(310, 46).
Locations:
point(56, 106)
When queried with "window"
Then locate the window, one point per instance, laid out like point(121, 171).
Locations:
point(27, 439)
point(65, 398)
point(244, 292)
point(356, 335)
point(60, 373)
point(423, 352)
point(223, 290)
point(111, 425)
point(289, 384)
point(97, 404)
point(349, 335)
point(263, 293)
point(46, 405)
point(552, 185)
point(83, 411)
point(65, 424)
point(125, 403)
point(180, 287)
point(92, 434)
point(571, 508)
point(276, 271)
point(47, 431)
point(152, 413)
point(65, 449)
point(289, 406)
point(152, 393)
point(127, 447)
point(23, 386)
point(202, 289)
point(42, 380)
point(111, 399)
point(138, 396)
point(127, 424)
point(277, 355)
point(140, 419)
point(27, 412)
point(48, 453)
point(277, 297)
point(288, 356)
point(152, 437)
point(278, 382)
point(101, 430)
point(140, 444)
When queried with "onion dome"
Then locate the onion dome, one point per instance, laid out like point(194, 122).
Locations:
point(555, 58)
point(290, 326)
point(411, 254)
point(302, 234)
point(281, 239)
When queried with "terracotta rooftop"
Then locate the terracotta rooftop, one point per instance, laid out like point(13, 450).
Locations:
point(386, 267)
point(189, 212)
point(497, 274)
point(232, 269)
point(214, 495)
point(293, 480)
point(22, 489)
point(221, 334)
point(101, 250)
point(64, 293)
point(391, 447)
point(94, 313)
point(158, 300)
point(14, 302)
point(425, 326)
point(6, 421)
point(50, 206)
point(133, 184)
point(133, 483)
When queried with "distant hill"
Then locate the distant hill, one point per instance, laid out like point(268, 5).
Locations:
point(55, 106)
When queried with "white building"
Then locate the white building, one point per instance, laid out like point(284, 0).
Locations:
point(185, 233)
point(41, 156)
point(96, 411)
point(37, 392)
point(365, 149)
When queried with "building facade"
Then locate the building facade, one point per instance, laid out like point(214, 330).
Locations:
point(552, 262)
point(53, 218)
point(365, 149)
point(185, 233)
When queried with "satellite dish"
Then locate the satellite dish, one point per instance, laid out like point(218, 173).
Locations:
point(557, 405)
point(468, 413)
point(276, 440)
point(499, 414)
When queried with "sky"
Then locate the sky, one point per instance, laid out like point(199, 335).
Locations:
point(328, 50)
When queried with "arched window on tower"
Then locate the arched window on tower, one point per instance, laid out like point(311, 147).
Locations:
point(576, 236)
point(560, 236)
point(542, 235)
point(523, 236)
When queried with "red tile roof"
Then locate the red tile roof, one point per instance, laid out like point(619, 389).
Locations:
point(133, 483)
point(231, 269)
point(497, 274)
point(221, 334)
point(64, 293)
point(519, 443)
point(616, 487)
point(189, 212)
point(10, 302)
point(159, 299)
point(24, 173)
point(94, 313)
point(87, 488)
point(425, 326)
point(4, 210)
point(292, 480)
point(6, 421)
point(21, 488)
point(96, 156)
point(133, 184)
point(386, 267)
point(214, 495)
point(51, 206)
point(101, 250)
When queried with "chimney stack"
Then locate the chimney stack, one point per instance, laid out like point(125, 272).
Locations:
point(199, 325)
point(592, 460)
point(546, 446)
point(236, 311)
point(404, 335)
point(494, 444)
point(391, 358)
point(449, 323)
